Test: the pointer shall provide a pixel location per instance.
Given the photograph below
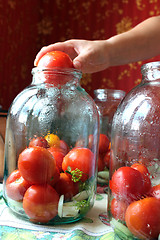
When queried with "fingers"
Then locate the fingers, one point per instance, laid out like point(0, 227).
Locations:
point(66, 47)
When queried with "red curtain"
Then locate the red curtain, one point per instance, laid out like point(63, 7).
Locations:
point(28, 25)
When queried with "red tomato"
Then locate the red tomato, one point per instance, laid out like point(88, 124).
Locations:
point(55, 59)
point(145, 173)
point(103, 143)
point(55, 177)
point(143, 218)
point(64, 146)
point(81, 158)
point(39, 141)
point(155, 191)
point(40, 203)
point(58, 156)
point(36, 165)
point(101, 164)
point(118, 209)
point(127, 183)
point(106, 159)
point(65, 186)
point(16, 186)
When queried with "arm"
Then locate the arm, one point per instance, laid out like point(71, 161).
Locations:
point(139, 43)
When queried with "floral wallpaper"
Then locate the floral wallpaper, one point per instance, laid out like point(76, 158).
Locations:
point(28, 25)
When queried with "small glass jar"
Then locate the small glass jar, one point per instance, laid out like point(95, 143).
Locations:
point(51, 149)
point(134, 194)
point(107, 101)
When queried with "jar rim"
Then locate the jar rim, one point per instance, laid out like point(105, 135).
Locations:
point(66, 71)
point(150, 66)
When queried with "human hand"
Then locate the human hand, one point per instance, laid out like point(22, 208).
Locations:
point(87, 56)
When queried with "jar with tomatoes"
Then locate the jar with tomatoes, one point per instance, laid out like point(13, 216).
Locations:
point(51, 146)
point(107, 101)
point(134, 188)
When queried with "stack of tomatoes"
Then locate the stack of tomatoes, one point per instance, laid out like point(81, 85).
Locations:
point(44, 173)
point(135, 201)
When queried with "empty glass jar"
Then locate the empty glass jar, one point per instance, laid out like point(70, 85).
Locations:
point(51, 149)
point(134, 196)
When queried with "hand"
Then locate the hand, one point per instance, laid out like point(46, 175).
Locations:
point(87, 56)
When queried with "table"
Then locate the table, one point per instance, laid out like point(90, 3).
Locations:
point(95, 226)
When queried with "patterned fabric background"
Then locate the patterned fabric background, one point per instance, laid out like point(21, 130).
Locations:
point(28, 25)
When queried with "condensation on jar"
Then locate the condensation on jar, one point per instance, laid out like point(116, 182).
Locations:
point(51, 149)
point(134, 189)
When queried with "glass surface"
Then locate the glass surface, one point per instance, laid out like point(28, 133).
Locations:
point(107, 101)
point(134, 194)
point(51, 149)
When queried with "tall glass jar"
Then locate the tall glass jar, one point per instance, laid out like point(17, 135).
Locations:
point(107, 101)
point(51, 149)
point(134, 196)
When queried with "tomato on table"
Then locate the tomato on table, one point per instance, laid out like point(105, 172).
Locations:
point(36, 165)
point(143, 218)
point(127, 183)
point(39, 141)
point(55, 59)
point(40, 203)
point(79, 158)
point(16, 186)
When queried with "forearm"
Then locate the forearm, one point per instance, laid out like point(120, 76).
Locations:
point(140, 43)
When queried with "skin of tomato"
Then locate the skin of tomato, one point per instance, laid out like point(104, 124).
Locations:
point(64, 146)
point(106, 159)
point(55, 177)
point(58, 156)
point(65, 186)
point(40, 203)
point(53, 140)
point(155, 191)
point(118, 209)
point(127, 183)
point(55, 59)
point(81, 158)
point(39, 141)
point(145, 173)
point(36, 165)
point(103, 143)
point(101, 164)
point(143, 218)
point(16, 186)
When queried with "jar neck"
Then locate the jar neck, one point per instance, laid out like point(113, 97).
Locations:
point(150, 72)
point(108, 94)
point(56, 76)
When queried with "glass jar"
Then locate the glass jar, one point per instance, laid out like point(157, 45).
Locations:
point(134, 194)
point(107, 101)
point(51, 149)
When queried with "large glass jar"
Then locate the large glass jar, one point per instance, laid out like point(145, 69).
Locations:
point(107, 101)
point(51, 149)
point(134, 196)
